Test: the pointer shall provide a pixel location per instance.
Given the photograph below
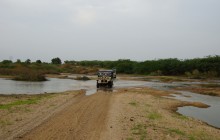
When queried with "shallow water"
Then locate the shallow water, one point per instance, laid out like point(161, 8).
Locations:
point(210, 115)
point(21, 87)
point(57, 85)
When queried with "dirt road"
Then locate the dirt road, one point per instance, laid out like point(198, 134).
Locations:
point(83, 119)
point(132, 114)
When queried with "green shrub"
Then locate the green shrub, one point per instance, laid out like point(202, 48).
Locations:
point(56, 61)
point(195, 74)
point(30, 76)
point(82, 78)
point(154, 116)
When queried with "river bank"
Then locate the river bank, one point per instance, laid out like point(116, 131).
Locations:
point(128, 113)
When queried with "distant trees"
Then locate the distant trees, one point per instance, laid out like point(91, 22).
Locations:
point(197, 67)
point(28, 61)
point(192, 68)
point(18, 61)
point(6, 62)
point(38, 62)
point(56, 61)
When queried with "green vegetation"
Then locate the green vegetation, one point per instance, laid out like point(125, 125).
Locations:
point(4, 123)
point(179, 116)
point(193, 68)
point(176, 131)
point(38, 62)
point(191, 137)
point(28, 61)
point(30, 76)
point(140, 130)
point(56, 61)
point(35, 71)
point(133, 103)
point(19, 102)
point(154, 116)
point(31, 99)
point(84, 78)
point(208, 67)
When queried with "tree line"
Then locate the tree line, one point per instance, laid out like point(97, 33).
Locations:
point(197, 67)
point(207, 66)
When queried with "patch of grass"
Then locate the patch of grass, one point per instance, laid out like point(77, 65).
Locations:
point(179, 116)
point(154, 116)
point(133, 103)
point(192, 137)
point(202, 134)
point(129, 138)
point(48, 96)
point(176, 131)
point(19, 102)
point(33, 100)
point(5, 123)
point(140, 130)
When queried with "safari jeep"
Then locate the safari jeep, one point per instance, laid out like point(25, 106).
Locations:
point(105, 78)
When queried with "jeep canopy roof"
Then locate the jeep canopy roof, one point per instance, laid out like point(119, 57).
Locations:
point(105, 72)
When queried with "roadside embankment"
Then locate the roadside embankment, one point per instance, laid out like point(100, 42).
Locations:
point(21, 113)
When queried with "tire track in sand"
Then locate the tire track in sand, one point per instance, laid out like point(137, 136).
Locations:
point(82, 120)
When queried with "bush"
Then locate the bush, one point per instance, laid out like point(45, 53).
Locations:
point(38, 62)
point(28, 61)
point(82, 78)
point(56, 61)
point(6, 62)
point(156, 73)
point(31, 76)
point(195, 74)
point(211, 74)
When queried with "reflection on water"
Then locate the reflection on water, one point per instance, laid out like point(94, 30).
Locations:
point(52, 85)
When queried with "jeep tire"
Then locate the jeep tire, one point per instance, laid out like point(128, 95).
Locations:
point(97, 85)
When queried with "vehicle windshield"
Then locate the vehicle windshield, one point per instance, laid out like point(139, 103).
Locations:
point(100, 74)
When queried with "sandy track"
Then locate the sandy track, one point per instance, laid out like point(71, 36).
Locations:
point(83, 119)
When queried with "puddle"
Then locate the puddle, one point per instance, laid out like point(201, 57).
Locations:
point(209, 115)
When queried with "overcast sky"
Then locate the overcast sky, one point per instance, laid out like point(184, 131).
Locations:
point(108, 29)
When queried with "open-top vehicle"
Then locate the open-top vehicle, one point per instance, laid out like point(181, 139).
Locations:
point(105, 78)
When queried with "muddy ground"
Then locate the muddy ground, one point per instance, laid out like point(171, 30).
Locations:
point(127, 114)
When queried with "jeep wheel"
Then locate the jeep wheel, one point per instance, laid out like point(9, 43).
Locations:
point(97, 85)
point(110, 84)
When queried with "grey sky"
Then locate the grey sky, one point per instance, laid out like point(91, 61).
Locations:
point(109, 29)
